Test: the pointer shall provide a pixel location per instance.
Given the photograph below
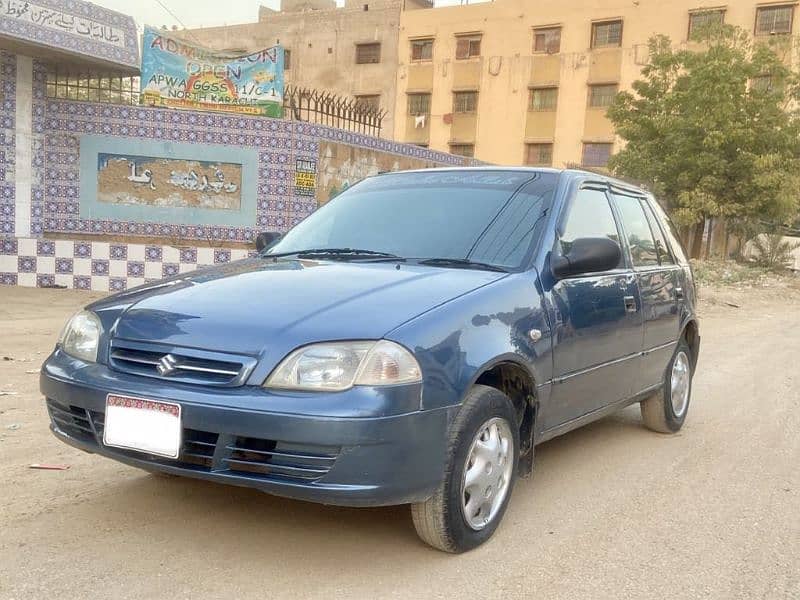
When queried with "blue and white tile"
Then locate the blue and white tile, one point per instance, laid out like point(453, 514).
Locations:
point(65, 280)
point(64, 249)
point(100, 283)
point(26, 246)
point(46, 265)
point(82, 267)
point(118, 268)
point(136, 252)
point(170, 254)
point(205, 256)
point(152, 270)
point(26, 279)
point(100, 250)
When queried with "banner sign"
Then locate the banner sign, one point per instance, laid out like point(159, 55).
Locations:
point(180, 75)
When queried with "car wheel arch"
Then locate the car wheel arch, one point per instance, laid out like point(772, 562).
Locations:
point(511, 377)
point(691, 333)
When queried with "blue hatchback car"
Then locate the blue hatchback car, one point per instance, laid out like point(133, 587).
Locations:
point(410, 342)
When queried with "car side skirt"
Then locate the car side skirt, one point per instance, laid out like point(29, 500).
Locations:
point(553, 432)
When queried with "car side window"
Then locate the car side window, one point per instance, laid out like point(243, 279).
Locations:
point(672, 234)
point(664, 256)
point(589, 215)
point(637, 229)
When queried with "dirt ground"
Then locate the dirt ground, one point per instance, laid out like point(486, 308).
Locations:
point(613, 511)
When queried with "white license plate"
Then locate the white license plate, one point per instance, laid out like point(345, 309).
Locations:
point(145, 425)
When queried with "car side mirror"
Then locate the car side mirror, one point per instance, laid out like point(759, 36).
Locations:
point(265, 239)
point(586, 255)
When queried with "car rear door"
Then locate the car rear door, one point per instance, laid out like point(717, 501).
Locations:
point(658, 278)
point(597, 337)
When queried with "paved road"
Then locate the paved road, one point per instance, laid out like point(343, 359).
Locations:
point(613, 511)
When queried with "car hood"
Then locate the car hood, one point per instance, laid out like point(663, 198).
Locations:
point(265, 307)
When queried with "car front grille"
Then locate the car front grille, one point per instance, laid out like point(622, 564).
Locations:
point(268, 458)
point(254, 458)
point(71, 420)
point(184, 365)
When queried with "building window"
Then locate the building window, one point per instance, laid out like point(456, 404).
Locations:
point(419, 104)
point(547, 40)
point(762, 83)
point(287, 59)
point(606, 34)
point(601, 96)
point(772, 20)
point(422, 49)
point(543, 98)
point(468, 46)
point(368, 53)
point(92, 87)
point(463, 150)
point(539, 155)
point(465, 102)
point(596, 154)
point(372, 101)
point(702, 19)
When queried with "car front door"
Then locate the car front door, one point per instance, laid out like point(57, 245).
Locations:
point(597, 337)
point(659, 284)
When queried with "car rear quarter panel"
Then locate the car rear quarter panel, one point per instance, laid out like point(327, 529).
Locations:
point(456, 342)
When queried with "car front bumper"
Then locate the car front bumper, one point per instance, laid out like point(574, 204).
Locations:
point(368, 458)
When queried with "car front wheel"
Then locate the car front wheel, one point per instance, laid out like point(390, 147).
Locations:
point(483, 449)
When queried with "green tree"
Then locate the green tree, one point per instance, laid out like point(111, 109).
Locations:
point(713, 130)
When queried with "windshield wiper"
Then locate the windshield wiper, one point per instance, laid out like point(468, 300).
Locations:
point(461, 263)
point(338, 252)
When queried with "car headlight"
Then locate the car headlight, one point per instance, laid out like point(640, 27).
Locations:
point(81, 336)
point(336, 366)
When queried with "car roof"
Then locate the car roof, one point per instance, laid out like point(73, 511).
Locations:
point(568, 172)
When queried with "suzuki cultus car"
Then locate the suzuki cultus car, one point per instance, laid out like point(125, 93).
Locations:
point(410, 342)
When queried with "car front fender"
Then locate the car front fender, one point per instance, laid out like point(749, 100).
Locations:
point(455, 343)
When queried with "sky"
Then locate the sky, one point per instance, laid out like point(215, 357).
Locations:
point(196, 13)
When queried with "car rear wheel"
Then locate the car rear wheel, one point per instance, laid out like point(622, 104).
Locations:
point(483, 449)
point(666, 410)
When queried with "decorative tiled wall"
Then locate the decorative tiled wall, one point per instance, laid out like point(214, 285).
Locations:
point(8, 101)
point(74, 27)
point(57, 126)
point(279, 143)
point(100, 266)
point(38, 148)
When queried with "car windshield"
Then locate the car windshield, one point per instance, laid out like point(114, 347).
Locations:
point(489, 217)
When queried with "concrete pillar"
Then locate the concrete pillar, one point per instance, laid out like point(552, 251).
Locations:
point(24, 146)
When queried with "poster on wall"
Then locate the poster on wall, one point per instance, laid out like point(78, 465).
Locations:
point(175, 183)
point(305, 177)
point(140, 180)
point(181, 75)
point(340, 166)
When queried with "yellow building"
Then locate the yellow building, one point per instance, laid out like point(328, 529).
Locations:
point(350, 49)
point(522, 82)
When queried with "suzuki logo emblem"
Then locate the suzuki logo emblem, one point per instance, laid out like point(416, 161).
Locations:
point(167, 365)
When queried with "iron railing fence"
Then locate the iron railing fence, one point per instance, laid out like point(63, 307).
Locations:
point(299, 103)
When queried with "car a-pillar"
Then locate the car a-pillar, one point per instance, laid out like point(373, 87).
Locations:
point(516, 382)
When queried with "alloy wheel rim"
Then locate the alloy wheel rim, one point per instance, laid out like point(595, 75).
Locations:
point(679, 384)
point(487, 473)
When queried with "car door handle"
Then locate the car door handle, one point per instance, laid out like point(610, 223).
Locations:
point(630, 304)
point(679, 293)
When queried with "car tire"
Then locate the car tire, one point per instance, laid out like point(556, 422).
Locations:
point(666, 410)
point(484, 441)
